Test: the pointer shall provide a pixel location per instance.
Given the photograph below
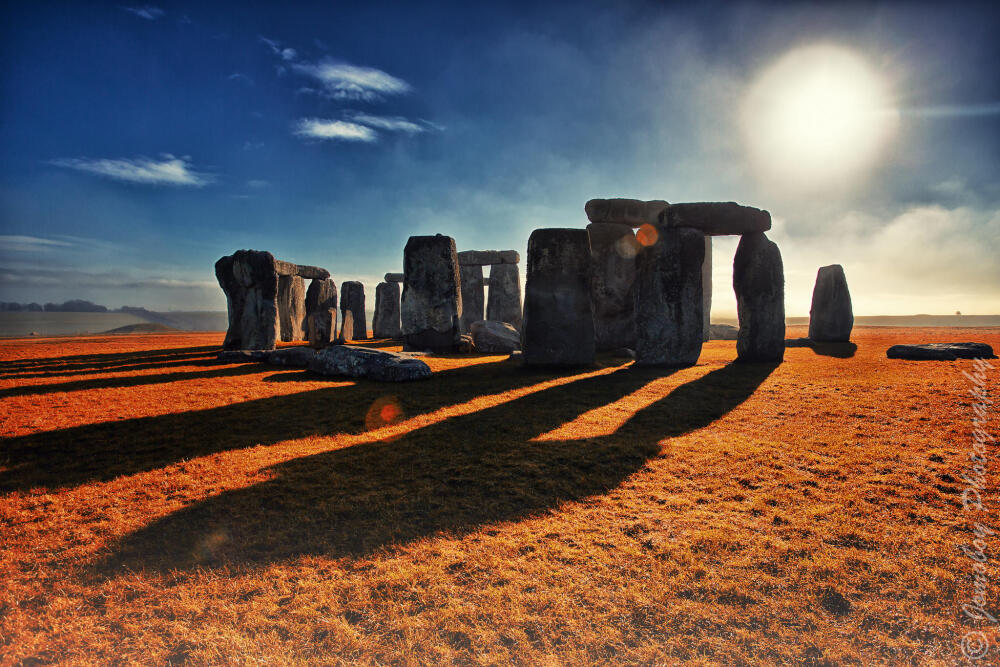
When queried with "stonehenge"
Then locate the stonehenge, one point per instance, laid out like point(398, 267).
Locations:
point(321, 312)
point(431, 305)
point(504, 302)
point(629, 212)
point(352, 300)
point(473, 293)
point(668, 299)
point(613, 251)
point(759, 282)
point(716, 218)
point(558, 326)
point(386, 321)
point(393, 277)
point(291, 307)
point(831, 316)
point(250, 279)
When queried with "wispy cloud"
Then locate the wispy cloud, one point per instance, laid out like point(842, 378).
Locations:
point(285, 53)
point(240, 77)
point(388, 123)
point(42, 277)
point(334, 130)
point(14, 243)
point(169, 170)
point(147, 12)
point(343, 81)
point(257, 183)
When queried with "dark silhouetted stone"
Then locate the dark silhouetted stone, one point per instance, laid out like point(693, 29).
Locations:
point(365, 362)
point(487, 257)
point(352, 298)
point(301, 270)
point(668, 299)
point(394, 277)
point(759, 282)
point(629, 212)
point(473, 294)
point(558, 318)
point(941, 351)
point(242, 356)
point(706, 287)
point(321, 327)
point(431, 303)
point(831, 316)
point(291, 307)
point(613, 249)
point(717, 218)
point(386, 323)
point(495, 337)
point(250, 281)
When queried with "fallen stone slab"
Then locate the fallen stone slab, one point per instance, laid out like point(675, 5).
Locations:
point(831, 316)
point(290, 269)
point(242, 356)
point(298, 357)
point(941, 351)
point(491, 337)
point(369, 363)
point(488, 257)
point(630, 212)
point(716, 218)
point(394, 277)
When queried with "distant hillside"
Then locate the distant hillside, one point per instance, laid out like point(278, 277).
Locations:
point(146, 328)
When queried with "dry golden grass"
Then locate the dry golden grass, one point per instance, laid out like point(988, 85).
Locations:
point(158, 507)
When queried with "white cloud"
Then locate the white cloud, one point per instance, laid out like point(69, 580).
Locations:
point(169, 170)
point(146, 12)
point(389, 123)
point(13, 243)
point(342, 81)
point(286, 54)
point(336, 130)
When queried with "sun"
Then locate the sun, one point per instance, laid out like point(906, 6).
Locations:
point(820, 116)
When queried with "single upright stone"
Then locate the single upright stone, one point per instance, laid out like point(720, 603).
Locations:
point(250, 280)
point(668, 299)
point(629, 212)
point(706, 287)
point(352, 298)
point(503, 304)
point(386, 322)
point(346, 328)
point(558, 318)
point(321, 312)
point(759, 282)
point(473, 294)
point(432, 301)
point(292, 307)
point(831, 316)
point(716, 218)
point(613, 250)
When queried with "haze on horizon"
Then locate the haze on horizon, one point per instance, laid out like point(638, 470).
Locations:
point(140, 143)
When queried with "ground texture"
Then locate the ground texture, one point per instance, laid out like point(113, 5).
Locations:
point(159, 507)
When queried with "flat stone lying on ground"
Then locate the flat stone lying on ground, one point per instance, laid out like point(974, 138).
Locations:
point(504, 301)
point(365, 362)
point(831, 316)
point(558, 317)
point(386, 321)
point(612, 289)
point(352, 298)
point(941, 351)
point(487, 257)
point(242, 356)
point(668, 299)
point(491, 337)
point(296, 357)
point(716, 218)
point(629, 212)
point(394, 277)
point(432, 303)
point(759, 283)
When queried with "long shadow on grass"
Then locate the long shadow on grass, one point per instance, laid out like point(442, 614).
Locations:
point(844, 350)
point(104, 360)
point(103, 451)
point(449, 478)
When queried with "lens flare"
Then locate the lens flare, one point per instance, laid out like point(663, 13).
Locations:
point(647, 235)
point(384, 410)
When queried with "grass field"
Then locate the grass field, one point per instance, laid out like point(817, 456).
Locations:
point(158, 507)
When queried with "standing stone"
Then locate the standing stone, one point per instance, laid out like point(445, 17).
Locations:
point(558, 318)
point(759, 282)
point(473, 294)
point(352, 298)
point(250, 280)
point(432, 301)
point(292, 307)
point(668, 299)
point(831, 316)
point(613, 250)
point(346, 327)
point(504, 301)
point(386, 322)
point(706, 287)
point(321, 312)
point(322, 294)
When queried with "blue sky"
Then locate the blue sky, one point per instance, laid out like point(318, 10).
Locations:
point(138, 143)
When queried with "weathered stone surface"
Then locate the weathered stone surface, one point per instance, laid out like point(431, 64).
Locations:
point(321, 295)
point(716, 218)
point(386, 322)
point(503, 304)
point(493, 337)
point(394, 277)
point(321, 327)
point(613, 250)
point(346, 327)
point(365, 362)
point(352, 298)
point(242, 356)
point(297, 357)
point(473, 294)
point(291, 307)
point(487, 257)
point(668, 299)
point(558, 318)
point(432, 301)
point(759, 282)
point(465, 344)
point(301, 270)
point(250, 281)
point(941, 351)
point(831, 316)
point(630, 212)
point(706, 287)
